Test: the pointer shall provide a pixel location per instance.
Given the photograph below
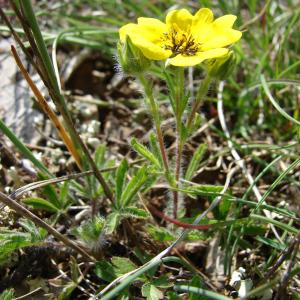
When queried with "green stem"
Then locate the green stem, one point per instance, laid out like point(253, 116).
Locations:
point(199, 97)
point(179, 94)
point(155, 114)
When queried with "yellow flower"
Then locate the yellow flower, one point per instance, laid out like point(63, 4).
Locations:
point(185, 40)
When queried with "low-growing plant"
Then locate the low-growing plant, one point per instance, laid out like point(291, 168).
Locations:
point(112, 200)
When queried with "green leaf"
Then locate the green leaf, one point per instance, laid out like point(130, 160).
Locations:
point(196, 235)
point(159, 233)
point(154, 148)
point(151, 179)
point(196, 123)
point(195, 161)
point(50, 193)
point(133, 186)
point(196, 282)
point(144, 152)
point(205, 190)
point(184, 103)
point(221, 211)
point(151, 292)
point(184, 132)
point(120, 180)
point(135, 212)
point(162, 282)
point(105, 270)
point(39, 203)
point(7, 294)
point(122, 265)
point(271, 243)
point(112, 222)
point(37, 233)
point(211, 191)
point(64, 198)
point(173, 296)
point(11, 240)
point(254, 230)
point(91, 231)
point(100, 155)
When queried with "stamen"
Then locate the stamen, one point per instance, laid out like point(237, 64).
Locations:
point(180, 42)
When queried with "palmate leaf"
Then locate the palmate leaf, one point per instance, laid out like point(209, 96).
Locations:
point(11, 240)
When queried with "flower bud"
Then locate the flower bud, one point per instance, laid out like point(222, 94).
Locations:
point(222, 67)
point(131, 59)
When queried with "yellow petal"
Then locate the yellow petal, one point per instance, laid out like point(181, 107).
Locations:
point(200, 25)
point(220, 37)
point(153, 23)
point(181, 18)
point(147, 39)
point(203, 17)
point(150, 49)
point(153, 29)
point(225, 21)
point(150, 29)
point(188, 61)
point(127, 30)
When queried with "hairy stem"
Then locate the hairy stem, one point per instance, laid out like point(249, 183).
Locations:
point(179, 136)
point(155, 114)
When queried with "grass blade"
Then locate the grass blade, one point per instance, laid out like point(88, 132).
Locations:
point(24, 150)
point(275, 104)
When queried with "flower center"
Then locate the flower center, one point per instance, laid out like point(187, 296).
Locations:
point(180, 42)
